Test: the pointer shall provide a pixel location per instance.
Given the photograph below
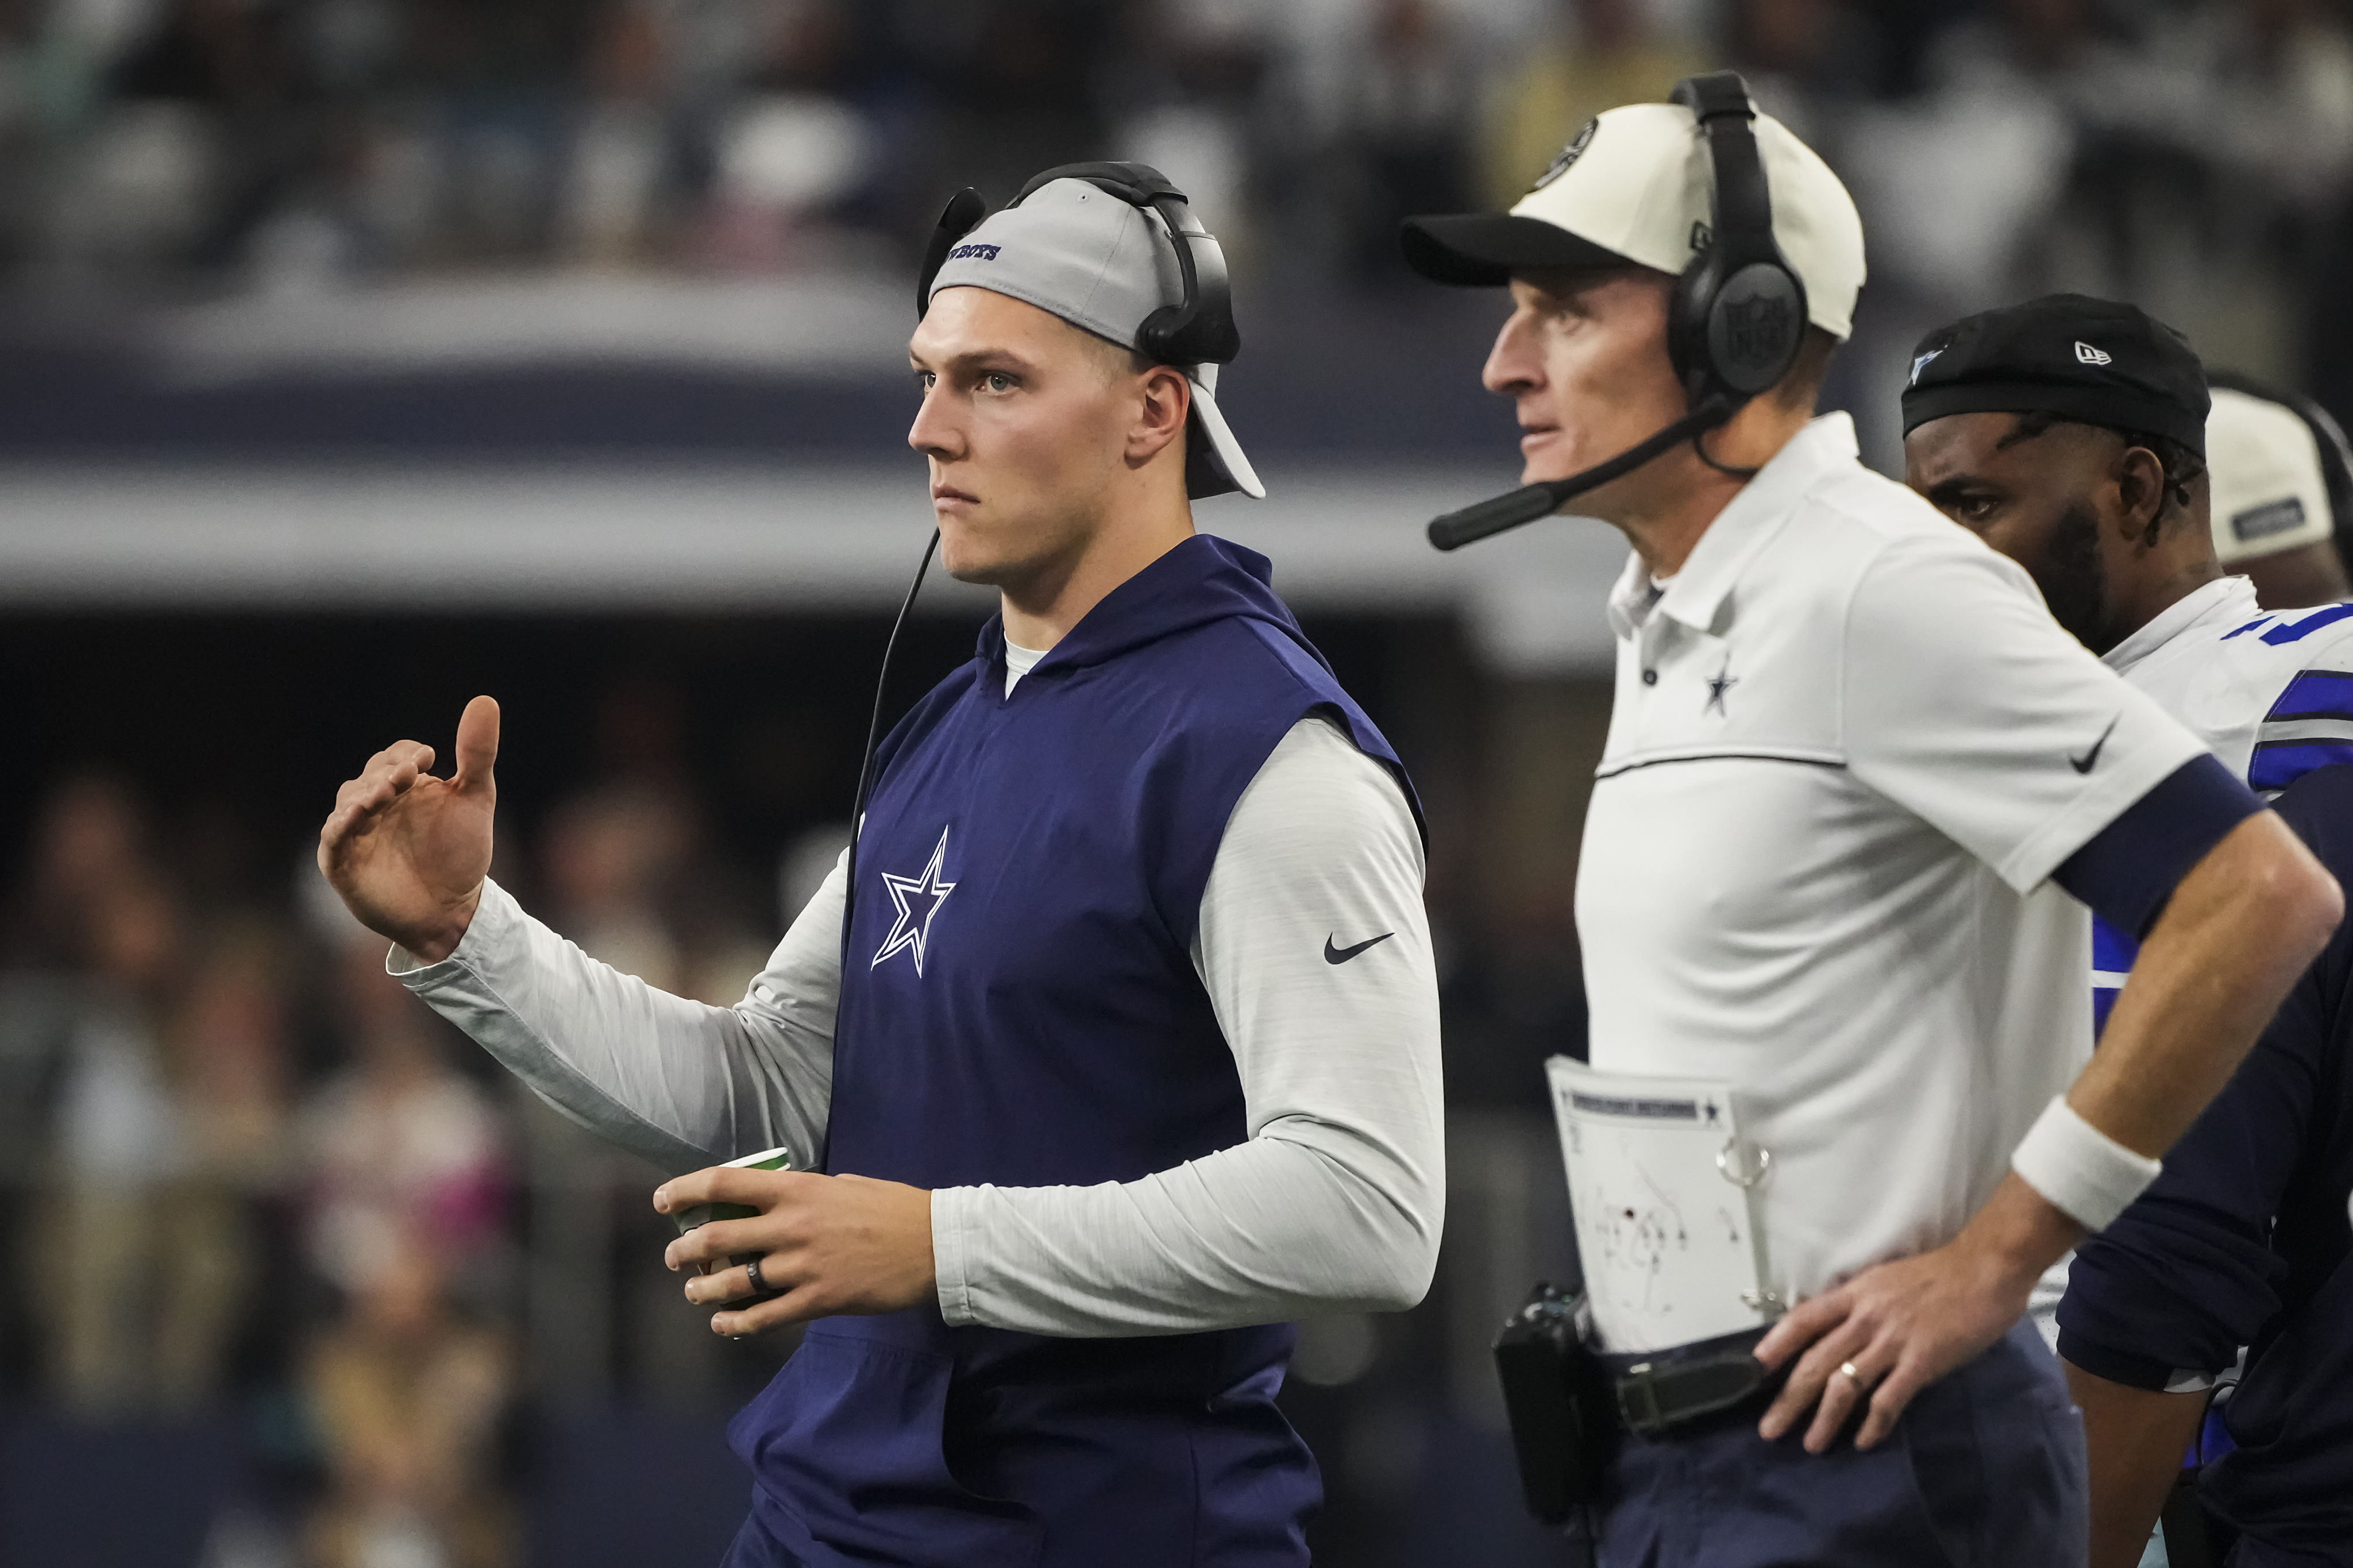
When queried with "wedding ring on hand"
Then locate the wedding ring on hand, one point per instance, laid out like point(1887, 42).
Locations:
point(761, 1287)
point(1847, 1367)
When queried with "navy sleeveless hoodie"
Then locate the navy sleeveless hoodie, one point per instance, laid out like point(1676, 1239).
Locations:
point(1020, 1007)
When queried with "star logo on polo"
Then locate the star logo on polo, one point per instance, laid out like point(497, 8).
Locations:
point(2087, 354)
point(1722, 681)
point(918, 899)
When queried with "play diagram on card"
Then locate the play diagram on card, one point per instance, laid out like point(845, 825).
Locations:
point(1638, 1228)
point(1665, 1231)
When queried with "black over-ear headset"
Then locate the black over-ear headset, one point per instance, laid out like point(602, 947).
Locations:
point(1733, 328)
point(1198, 329)
point(1739, 313)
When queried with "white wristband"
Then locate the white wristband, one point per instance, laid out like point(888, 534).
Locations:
point(2085, 1174)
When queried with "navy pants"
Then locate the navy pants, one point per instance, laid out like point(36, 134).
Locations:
point(753, 1547)
point(1984, 1468)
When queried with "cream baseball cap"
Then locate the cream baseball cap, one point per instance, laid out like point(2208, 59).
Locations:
point(2263, 467)
point(1633, 186)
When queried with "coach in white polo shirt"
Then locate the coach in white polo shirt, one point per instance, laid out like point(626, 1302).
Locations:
point(1854, 773)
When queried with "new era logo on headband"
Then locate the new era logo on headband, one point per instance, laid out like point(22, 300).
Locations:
point(2087, 355)
point(988, 253)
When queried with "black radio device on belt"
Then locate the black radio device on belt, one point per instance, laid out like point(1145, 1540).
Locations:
point(1563, 1412)
point(1570, 1405)
point(1733, 328)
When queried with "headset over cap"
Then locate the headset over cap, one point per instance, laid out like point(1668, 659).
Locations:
point(1758, 235)
point(1114, 249)
point(1761, 235)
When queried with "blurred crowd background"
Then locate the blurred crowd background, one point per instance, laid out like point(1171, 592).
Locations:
point(2193, 153)
point(288, 1274)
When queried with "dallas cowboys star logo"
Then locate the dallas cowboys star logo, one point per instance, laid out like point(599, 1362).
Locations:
point(913, 926)
point(1719, 684)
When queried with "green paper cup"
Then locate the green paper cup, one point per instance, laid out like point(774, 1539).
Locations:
point(687, 1219)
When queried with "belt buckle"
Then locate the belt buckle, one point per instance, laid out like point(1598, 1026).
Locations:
point(1641, 1383)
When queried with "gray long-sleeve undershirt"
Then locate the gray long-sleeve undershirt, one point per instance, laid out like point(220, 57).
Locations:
point(1333, 1203)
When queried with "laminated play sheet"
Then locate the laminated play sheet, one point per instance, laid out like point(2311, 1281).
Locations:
point(1666, 1195)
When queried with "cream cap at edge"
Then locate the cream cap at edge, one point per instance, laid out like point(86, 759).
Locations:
point(2263, 465)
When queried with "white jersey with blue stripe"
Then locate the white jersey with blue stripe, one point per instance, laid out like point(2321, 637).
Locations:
point(2270, 692)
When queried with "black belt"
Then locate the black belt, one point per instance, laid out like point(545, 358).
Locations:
point(1659, 1391)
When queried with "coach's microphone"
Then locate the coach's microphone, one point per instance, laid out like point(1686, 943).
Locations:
point(1543, 497)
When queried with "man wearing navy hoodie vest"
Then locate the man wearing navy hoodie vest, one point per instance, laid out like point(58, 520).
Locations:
point(1126, 1054)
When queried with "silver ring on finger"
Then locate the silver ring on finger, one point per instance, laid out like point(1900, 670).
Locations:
point(760, 1287)
point(1848, 1370)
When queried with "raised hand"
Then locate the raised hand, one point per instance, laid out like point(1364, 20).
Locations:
point(409, 851)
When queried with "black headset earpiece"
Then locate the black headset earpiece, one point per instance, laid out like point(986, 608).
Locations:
point(959, 218)
point(2335, 459)
point(1199, 329)
point(1739, 310)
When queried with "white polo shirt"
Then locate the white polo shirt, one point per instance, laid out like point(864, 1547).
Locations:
point(1849, 747)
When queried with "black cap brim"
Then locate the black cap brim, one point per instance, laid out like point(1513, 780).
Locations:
point(1481, 250)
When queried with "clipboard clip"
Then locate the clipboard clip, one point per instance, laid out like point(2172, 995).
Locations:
point(1748, 1183)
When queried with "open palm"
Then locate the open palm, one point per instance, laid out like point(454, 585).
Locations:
point(409, 851)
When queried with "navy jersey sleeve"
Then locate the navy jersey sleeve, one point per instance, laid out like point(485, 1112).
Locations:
point(2189, 1273)
point(2128, 869)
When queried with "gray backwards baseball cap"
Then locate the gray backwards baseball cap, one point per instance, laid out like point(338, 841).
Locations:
point(1102, 265)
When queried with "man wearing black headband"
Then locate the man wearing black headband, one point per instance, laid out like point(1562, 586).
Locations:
point(2070, 434)
point(2020, 423)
